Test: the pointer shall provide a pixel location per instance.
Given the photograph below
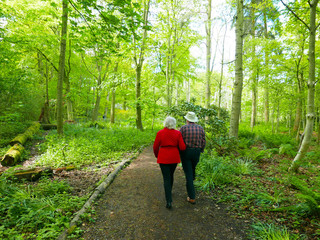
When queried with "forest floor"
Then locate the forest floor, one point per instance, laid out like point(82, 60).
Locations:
point(133, 207)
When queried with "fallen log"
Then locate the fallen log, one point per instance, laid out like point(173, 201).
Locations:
point(22, 138)
point(32, 174)
point(13, 155)
point(48, 126)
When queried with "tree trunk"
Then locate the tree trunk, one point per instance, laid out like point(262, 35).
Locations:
point(62, 59)
point(237, 92)
point(278, 116)
point(139, 59)
point(266, 88)
point(138, 98)
point(208, 55)
point(113, 96)
point(113, 105)
point(311, 89)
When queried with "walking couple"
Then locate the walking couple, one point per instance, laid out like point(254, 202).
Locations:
point(171, 144)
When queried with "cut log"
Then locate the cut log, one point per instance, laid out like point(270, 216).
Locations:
point(22, 138)
point(48, 126)
point(13, 155)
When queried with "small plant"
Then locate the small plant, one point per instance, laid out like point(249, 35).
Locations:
point(266, 231)
point(244, 166)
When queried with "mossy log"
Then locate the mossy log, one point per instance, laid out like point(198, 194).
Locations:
point(13, 155)
point(48, 126)
point(32, 174)
point(22, 138)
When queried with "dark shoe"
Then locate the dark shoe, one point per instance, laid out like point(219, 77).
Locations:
point(169, 205)
point(192, 201)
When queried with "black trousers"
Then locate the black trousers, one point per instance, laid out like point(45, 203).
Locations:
point(190, 158)
point(167, 173)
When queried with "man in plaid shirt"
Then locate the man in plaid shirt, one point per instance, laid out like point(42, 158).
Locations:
point(194, 138)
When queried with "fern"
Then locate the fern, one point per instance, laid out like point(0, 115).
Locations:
point(310, 198)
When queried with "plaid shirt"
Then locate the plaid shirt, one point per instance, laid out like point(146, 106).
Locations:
point(193, 136)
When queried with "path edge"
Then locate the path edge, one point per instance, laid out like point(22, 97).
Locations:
point(96, 193)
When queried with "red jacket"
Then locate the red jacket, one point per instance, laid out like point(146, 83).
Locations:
point(166, 146)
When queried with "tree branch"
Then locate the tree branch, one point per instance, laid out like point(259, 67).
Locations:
point(295, 14)
point(48, 60)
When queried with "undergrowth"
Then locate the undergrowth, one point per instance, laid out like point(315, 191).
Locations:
point(91, 144)
point(38, 211)
point(254, 181)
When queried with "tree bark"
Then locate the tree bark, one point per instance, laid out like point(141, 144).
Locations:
point(62, 59)
point(237, 91)
point(311, 89)
point(208, 54)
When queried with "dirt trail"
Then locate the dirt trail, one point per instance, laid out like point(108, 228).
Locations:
point(133, 207)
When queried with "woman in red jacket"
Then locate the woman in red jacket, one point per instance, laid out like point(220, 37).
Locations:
point(166, 148)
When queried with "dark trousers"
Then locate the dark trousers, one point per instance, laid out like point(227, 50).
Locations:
point(190, 158)
point(167, 173)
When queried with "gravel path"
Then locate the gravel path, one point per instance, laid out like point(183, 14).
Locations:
point(133, 207)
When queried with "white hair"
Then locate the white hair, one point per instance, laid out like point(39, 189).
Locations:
point(170, 122)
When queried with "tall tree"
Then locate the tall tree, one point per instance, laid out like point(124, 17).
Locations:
point(312, 27)
point(237, 89)
point(62, 58)
point(208, 53)
point(139, 52)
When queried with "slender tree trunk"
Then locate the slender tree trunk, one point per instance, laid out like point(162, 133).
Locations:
point(278, 115)
point(98, 99)
point(254, 104)
point(106, 109)
point(138, 98)
point(311, 89)
point(298, 111)
point(62, 59)
point(139, 59)
point(208, 53)
point(221, 73)
point(266, 88)
point(113, 105)
point(188, 90)
point(113, 97)
point(237, 92)
point(46, 116)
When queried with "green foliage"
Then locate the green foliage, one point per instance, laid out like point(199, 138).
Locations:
point(287, 149)
point(262, 133)
point(9, 129)
point(38, 211)
point(207, 117)
point(264, 231)
point(89, 145)
point(310, 198)
point(213, 171)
